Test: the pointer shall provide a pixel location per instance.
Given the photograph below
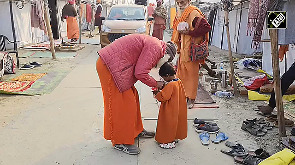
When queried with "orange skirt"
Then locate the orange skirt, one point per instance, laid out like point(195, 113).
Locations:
point(72, 28)
point(188, 73)
point(122, 117)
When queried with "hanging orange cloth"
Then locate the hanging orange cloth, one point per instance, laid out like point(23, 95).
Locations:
point(72, 28)
point(282, 51)
point(172, 119)
point(122, 117)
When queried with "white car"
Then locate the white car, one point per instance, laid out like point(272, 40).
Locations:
point(123, 20)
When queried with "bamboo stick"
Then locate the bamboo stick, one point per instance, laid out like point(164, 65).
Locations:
point(230, 54)
point(277, 81)
point(48, 26)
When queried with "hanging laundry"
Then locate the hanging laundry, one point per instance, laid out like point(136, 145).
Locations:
point(37, 19)
point(256, 18)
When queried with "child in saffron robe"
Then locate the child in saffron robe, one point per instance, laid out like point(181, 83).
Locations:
point(172, 118)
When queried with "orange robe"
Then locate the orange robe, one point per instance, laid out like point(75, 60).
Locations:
point(122, 118)
point(172, 119)
point(187, 71)
point(72, 28)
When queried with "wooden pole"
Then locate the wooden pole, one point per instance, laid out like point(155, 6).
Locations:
point(232, 72)
point(277, 81)
point(48, 26)
point(80, 21)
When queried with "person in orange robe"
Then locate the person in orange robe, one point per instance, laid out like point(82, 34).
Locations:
point(69, 13)
point(172, 119)
point(187, 70)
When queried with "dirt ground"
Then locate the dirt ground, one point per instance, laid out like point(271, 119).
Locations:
point(233, 112)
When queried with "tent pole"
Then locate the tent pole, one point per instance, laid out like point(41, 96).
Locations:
point(13, 32)
point(277, 81)
point(80, 21)
point(49, 30)
point(232, 73)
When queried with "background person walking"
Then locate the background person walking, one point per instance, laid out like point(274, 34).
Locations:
point(69, 13)
point(160, 16)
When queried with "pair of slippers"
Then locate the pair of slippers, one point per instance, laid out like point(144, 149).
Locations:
point(244, 156)
point(31, 65)
point(256, 127)
point(205, 138)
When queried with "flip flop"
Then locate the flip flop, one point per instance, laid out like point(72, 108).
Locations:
point(236, 149)
point(220, 137)
point(205, 137)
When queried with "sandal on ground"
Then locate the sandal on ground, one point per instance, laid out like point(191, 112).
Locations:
point(248, 160)
point(253, 129)
point(168, 145)
point(262, 154)
point(128, 149)
point(146, 134)
point(220, 137)
point(236, 150)
point(288, 123)
point(205, 137)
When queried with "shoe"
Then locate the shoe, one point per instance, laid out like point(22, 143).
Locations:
point(208, 128)
point(26, 67)
point(128, 149)
point(146, 134)
point(35, 64)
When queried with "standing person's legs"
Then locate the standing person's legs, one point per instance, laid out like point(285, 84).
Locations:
point(188, 72)
point(122, 118)
point(286, 80)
